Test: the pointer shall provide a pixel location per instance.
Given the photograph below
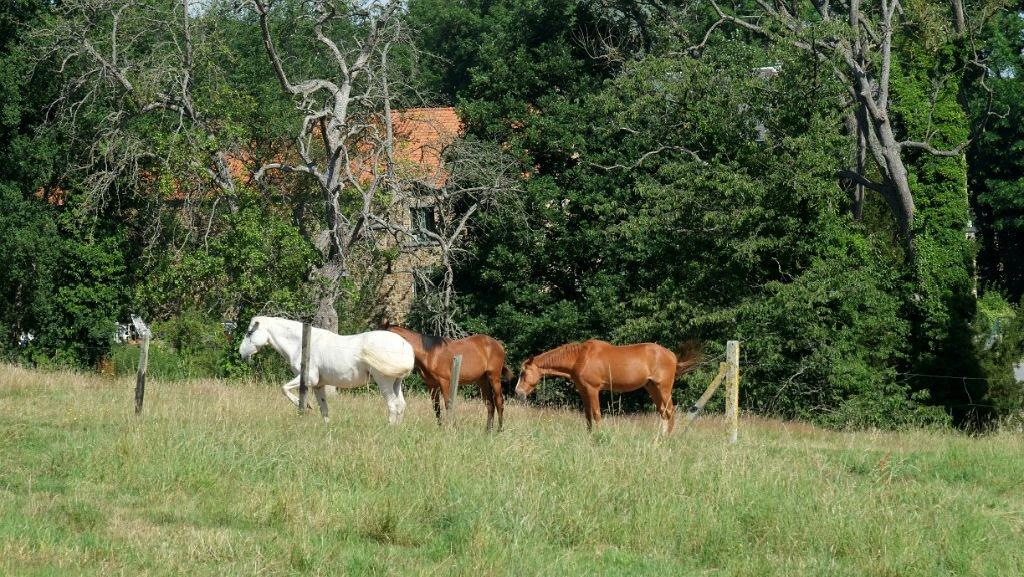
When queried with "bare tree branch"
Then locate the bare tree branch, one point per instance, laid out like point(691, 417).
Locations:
point(927, 147)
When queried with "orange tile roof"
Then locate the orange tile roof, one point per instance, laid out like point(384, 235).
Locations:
point(421, 135)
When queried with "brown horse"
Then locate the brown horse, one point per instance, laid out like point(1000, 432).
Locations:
point(596, 366)
point(483, 363)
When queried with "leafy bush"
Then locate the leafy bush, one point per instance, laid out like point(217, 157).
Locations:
point(999, 330)
point(63, 282)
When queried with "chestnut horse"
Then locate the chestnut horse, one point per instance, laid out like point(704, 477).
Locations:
point(483, 363)
point(596, 366)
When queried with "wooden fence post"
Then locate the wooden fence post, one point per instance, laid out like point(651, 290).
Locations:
point(307, 330)
point(732, 388)
point(694, 410)
point(140, 377)
point(453, 387)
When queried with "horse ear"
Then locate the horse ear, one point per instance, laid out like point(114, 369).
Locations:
point(255, 325)
point(386, 325)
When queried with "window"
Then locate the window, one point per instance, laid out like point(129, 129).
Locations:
point(423, 221)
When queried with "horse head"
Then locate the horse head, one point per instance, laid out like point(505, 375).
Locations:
point(529, 376)
point(255, 339)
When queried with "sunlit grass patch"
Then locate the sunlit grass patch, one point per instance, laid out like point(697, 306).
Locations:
point(223, 478)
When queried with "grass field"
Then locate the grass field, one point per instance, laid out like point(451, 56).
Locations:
point(222, 478)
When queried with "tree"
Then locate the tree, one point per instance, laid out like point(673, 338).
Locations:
point(671, 198)
point(62, 285)
point(346, 144)
point(856, 41)
point(130, 72)
point(996, 163)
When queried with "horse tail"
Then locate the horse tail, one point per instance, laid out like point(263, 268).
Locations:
point(689, 356)
point(508, 380)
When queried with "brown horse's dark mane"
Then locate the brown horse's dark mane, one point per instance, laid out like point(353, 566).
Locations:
point(428, 342)
point(431, 342)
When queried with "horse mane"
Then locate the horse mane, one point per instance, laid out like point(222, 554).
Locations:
point(431, 342)
point(558, 353)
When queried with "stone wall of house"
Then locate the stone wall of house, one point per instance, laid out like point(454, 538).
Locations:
point(398, 288)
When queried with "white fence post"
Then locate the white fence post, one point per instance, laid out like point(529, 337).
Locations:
point(732, 388)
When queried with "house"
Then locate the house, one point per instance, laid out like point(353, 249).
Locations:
point(421, 135)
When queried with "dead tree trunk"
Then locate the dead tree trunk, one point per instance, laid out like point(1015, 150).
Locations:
point(864, 50)
point(345, 144)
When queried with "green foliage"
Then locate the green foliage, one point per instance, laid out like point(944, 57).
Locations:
point(91, 295)
point(839, 320)
point(61, 284)
point(748, 242)
point(166, 364)
point(30, 245)
point(925, 87)
point(999, 334)
point(503, 55)
point(189, 346)
point(996, 157)
point(258, 258)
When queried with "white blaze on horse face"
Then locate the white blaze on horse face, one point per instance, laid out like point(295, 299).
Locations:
point(528, 378)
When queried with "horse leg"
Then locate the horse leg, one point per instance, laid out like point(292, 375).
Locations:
point(399, 399)
point(663, 402)
point(321, 395)
point(435, 397)
point(498, 398)
point(488, 397)
point(387, 390)
point(321, 399)
point(445, 386)
point(287, 389)
point(591, 405)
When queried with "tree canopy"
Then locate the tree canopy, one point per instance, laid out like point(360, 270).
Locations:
point(837, 186)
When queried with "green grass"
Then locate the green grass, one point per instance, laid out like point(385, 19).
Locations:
point(221, 478)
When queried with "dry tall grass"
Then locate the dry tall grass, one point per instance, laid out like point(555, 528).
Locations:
point(220, 478)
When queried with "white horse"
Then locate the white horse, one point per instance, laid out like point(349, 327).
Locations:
point(343, 361)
